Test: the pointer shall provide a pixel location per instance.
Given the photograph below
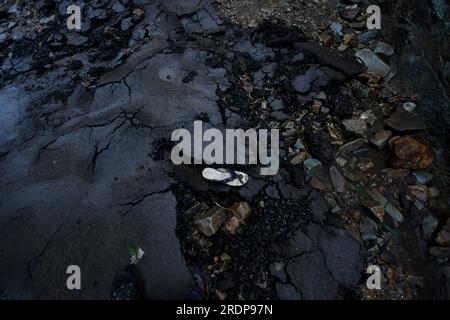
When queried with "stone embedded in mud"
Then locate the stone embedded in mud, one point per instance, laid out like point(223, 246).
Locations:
point(347, 65)
point(429, 224)
point(408, 153)
point(313, 75)
point(381, 138)
point(375, 208)
point(422, 177)
point(210, 221)
point(368, 229)
point(355, 125)
point(443, 238)
point(420, 192)
point(337, 179)
point(299, 158)
point(239, 212)
point(311, 166)
point(393, 212)
point(403, 120)
point(373, 63)
point(350, 13)
point(138, 15)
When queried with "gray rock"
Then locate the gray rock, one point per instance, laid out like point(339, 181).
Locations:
point(210, 221)
point(393, 212)
point(337, 179)
point(402, 120)
point(368, 229)
point(279, 116)
point(429, 225)
point(277, 270)
point(345, 64)
point(74, 39)
point(355, 125)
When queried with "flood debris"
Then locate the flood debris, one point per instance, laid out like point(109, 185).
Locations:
point(230, 177)
point(408, 153)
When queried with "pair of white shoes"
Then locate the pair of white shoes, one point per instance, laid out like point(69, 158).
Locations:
point(229, 177)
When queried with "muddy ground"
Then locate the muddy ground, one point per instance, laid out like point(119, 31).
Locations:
point(86, 175)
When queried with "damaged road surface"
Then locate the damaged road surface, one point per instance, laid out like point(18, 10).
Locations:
point(85, 169)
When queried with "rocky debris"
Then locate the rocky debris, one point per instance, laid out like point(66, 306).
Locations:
point(355, 125)
point(429, 225)
point(403, 120)
point(443, 237)
point(381, 138)
point(239, 213)
point(210, 221)
point(409, 153)
point(337, 179)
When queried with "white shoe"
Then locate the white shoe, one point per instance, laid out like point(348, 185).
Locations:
point(229, 177)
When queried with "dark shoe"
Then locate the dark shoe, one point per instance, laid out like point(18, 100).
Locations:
point(127, 285)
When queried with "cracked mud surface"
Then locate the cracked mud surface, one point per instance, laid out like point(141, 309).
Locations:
point(85, 170)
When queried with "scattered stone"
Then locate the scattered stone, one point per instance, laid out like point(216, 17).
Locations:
point(422, 177)
point(138, 15)
point(420, 192)
point(210, 221)
point(372, 62)
point(126, 24)
point(375, 208)
point(303, 83)
point(429, 225)
point(299, 158)
point(393, 212)
point(443, 238)
point(311, 166)
point(403, 120)
point(240, 211)
point(381, 138)
point(408, 153)
point(336, 27)
point(277, 270)
point(337, 179)
point(355, 125)
point(299, 145)
point(77, 40)
point(350, 13)
point(368, 229)
point(347, 65)
point(279, 116)
point(320, 146)
point(365, 164)
point(351, 146)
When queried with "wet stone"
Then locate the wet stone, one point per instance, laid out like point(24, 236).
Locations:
point(403, 120)
point(210, 221)
point(408, 153)
point(443, 238)
point(381, 138)
point(429, 225)
point(337, 179)
point(355, 125)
